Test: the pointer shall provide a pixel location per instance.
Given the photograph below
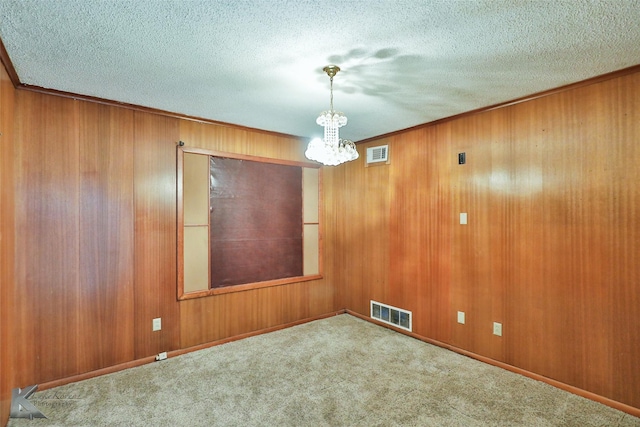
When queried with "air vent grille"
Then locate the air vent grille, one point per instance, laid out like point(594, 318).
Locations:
point(378, 154)
point(392, 315)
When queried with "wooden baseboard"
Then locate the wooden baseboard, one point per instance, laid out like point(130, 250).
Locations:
point(562, 386)
point(144, 361)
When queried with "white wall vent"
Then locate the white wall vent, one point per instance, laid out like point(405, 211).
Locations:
point(378, 154)
point(392, 315)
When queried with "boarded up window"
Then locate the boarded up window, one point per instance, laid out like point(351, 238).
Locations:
point(255, 221)
point(245, 222)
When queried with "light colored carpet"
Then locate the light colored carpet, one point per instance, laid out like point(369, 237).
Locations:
point(339, 371)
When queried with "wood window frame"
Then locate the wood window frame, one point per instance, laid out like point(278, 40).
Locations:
point(181, 294)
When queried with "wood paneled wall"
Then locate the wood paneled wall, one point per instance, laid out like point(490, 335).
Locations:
point(551, 245)
point(95, 227)
point(7, 228)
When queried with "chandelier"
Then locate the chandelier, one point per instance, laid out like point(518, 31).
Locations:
point(332, 150)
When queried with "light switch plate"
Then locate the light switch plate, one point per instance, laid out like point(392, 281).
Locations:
point(157, 324)
point(497, 329)
point(461, 317)
point(463, 218)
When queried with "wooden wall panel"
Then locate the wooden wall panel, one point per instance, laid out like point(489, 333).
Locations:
point(420, 229)
point(7, 243)
point(105, 313)
point(474, 256)
point(584, 281)
point(155, 235)
point(335, 268)
point(621, 232)
point(357, 206)
point(47, 238)
point(550, 245)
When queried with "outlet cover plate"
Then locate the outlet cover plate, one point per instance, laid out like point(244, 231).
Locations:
point(461, 317)
point(157, 324)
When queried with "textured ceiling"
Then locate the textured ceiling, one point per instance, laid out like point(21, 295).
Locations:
point(259, 63)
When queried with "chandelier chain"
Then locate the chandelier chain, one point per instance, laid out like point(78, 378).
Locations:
point(331, 99)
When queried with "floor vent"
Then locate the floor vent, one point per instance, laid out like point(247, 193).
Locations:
point(378, 154)
point(391, 315)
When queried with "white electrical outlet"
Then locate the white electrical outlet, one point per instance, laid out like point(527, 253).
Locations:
point(463, 218)
point(497, 329)
point(461, 317)
point(157, 324)
point(161, 356)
